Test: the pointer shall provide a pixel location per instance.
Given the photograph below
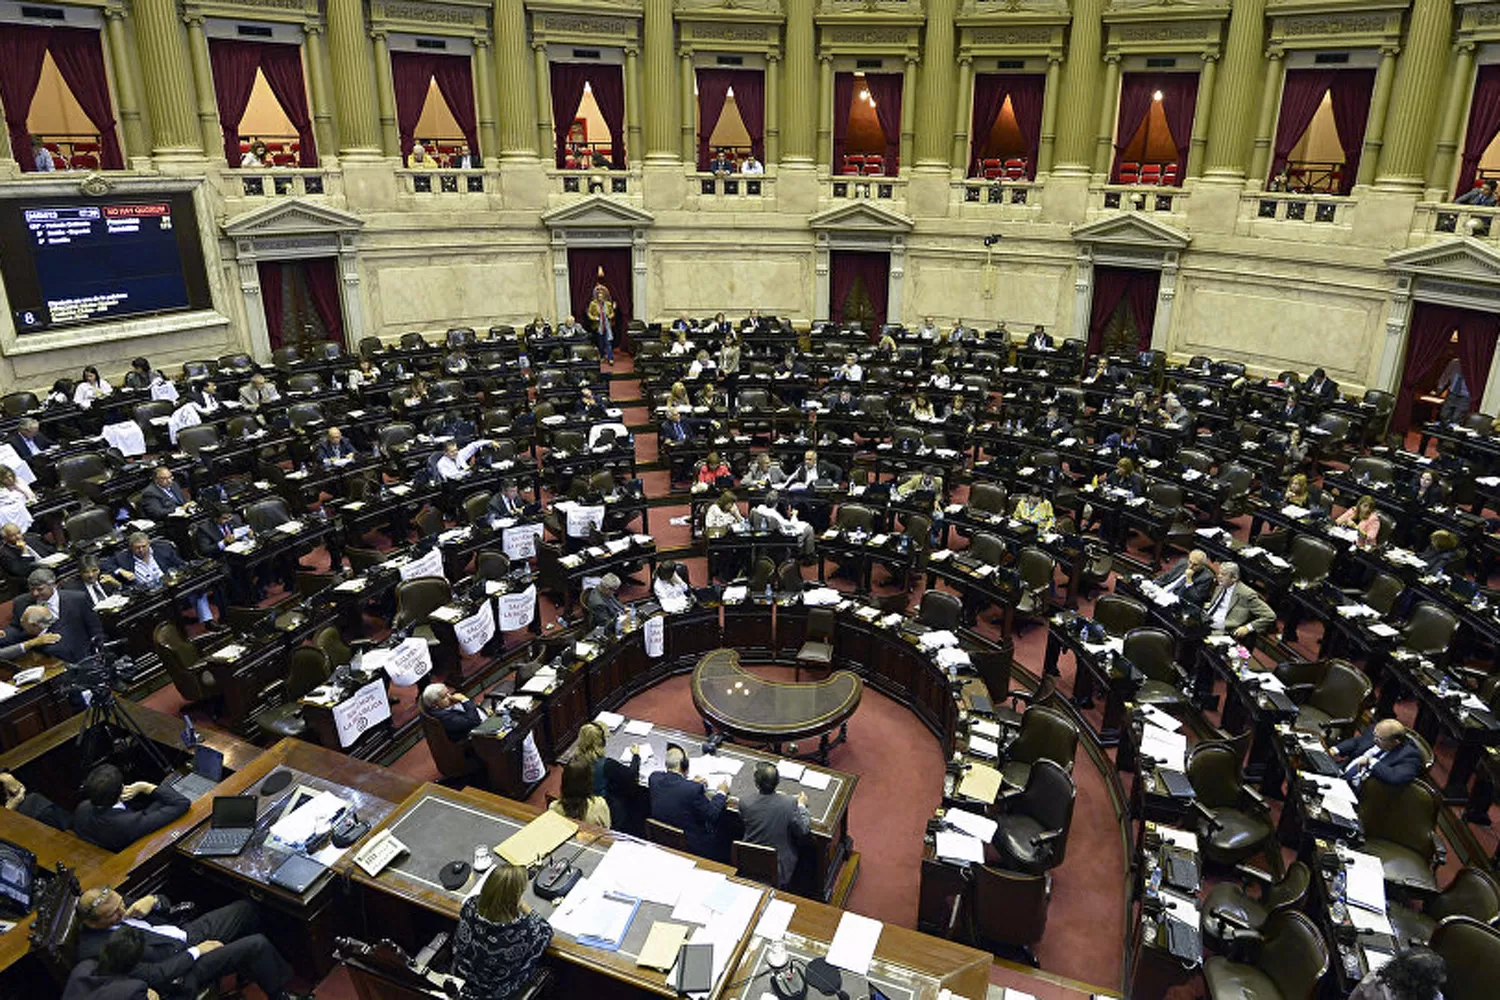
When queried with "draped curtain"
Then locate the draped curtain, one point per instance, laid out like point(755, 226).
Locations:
point(843, 103)
point(885, 91)
point(713, 92)
point(1137, 288)
point(1027, 92)
point(1484, 125)
point(1141, 294)
point(1431, 329)
point(567, 92)
point(583, 271)
point(1301, 96)
point(1135, 105)
point(233, 64)
point(749, 96)
point(271, 286)
point(850, 266)
point(411, 73)
point(455, 81)
point(608, 86)
point(321, 274)
point(1179, 98)
point(22, 50)
point(989, 100)
point(282, 66)
point(1350, 96)
point(80, 61)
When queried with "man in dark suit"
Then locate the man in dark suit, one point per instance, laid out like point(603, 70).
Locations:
point(683, 802)
point(162, 498)
point(33, 804)
point(453, 709)
point(28, 440)
point(177, 960)
point(1383, 752)
point(92, 581)
point(1054, 426)
point(603, 606)
point(73, 616)
point(1191, 579)
point(674, 430)
point(507, 503)
point(108, 815)
point(811, 472)
point(20, 551)
point(206, 396)
point(465, 160)
point(1291, 411)
point(1321, 387)
point(334, 448)
point(775, 820)
point(87, 982)
point(1039, 339)
point(146, 565)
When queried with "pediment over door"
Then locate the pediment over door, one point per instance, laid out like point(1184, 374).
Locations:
point(597, 212)
point(1462, 258)
point(1132, 229)
point(292, 217)
point(861, 217)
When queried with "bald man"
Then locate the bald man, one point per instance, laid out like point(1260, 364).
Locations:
point(1192, 579)
point(1384, 752)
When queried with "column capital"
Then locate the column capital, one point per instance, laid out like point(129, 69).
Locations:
point(1113, 58)
point(773, 56)
point(826, 58)
point(482, 41)
point(913, 59)
point(193, 16)
point(966, 59)
point(1275, 53)
point(538, 46)
point(1211, 57)
point(379, 34)
point(116, 12)
point(312, 28)
point(1055, 59)
point(1465, 47)
point(1390, 50)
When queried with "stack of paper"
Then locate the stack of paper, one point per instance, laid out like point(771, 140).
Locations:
point(820, 596)
point(610, 720)
point(1338, 797)
point(1167, 748)
point(854, 943)
point(775, 919)
point(959, 847)
point(980, 782)
point(791, 770)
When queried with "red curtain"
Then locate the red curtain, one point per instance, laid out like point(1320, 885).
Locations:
point(713, 92)
point(1179, 98)
point(847, 267)
point(583, 271)
point(411, 75)
point(885, 91)
point(1301, 96)
point(1141, 294)
point(1350, 95)
point(322, 278)
point(749, 96)
point(1135, 105)
point(1484, 125)
point(80, 62)
point(455, 80)
point(282, 65)
point(270, 297)
point(1110, 286)
point(843, 104)
point(1431, 328)
point(1027, 92)
point(608, 86)
point(567, 91)
point(21, 52)
point(989, 100)
point(233, 65)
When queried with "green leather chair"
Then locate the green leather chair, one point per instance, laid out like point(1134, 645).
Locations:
point(1046, 734)
point(1400, 824)
point(1292, 961)
point(1471, 893)
point(1471, 950)
point(1235, 822)
point(1229, 908)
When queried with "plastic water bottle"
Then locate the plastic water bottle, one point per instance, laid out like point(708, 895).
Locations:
point(1443, 686)
point(1154, 889)
point(768, 590)
point(1340, 884)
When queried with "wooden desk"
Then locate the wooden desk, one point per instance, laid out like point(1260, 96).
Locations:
point(35, 707)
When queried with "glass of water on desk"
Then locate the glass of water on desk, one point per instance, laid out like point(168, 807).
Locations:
point(483, 859)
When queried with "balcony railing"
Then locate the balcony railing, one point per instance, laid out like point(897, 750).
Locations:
point(1441, 220)
point(978, 191)
point(1307, 209)
point(275, 182)
point(733, 187)
point(1140, 198)
point(440, 181)
point(873, 187)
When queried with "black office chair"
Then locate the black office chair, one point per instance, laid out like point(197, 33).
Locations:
point(1471, 952)
point(940, 610)
point(1472, 892)
point(1032, 836)
point(1119, 614)
point(1235, 822)
point(1231, 911)
point(1046, 734)
point(1292, 961)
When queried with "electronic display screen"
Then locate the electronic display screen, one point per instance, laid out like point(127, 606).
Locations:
point(73, 261)
point(17, 868)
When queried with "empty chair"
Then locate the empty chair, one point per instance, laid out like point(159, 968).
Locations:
point(1035, 569)
point(307, 668)
point(14, 404)
point(1334, 702)
point(1400, 825)
point(187, 670)
point(1046, 734)
point(1471, 951)
point(939, 610)
point(412, 341)
point(88, 524)
point(817, 643)
point(761, 573)
point(1229, 906)
point(1311, 560)
point(1235, 822)
point(285, 358)
point(987, 498)
point(84, 473)
point(668, 835)
point(1119, 614)
point(1032, 836)
point(193, 440)
point(789, 577)
point(1153, 652)
point(263, 515)
point(395, 435)
point(1429, 630)
point(756, 862)
point(305, 416)
point(1473, 892)
point(1372, 469)
point(1292, 961)
point(416, 599)
point(1010, 909)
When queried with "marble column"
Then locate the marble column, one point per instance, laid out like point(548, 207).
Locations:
point(909, 83)
point(773, 108)
point(1417, 93)
point(163, 53)
point(934, 141)
point(661, 82)
point(1078, 100)
point(963, 114)
point(1380, 100)
point(546, 135)
point(1197, 151)
point(635, 97)
point(825, 111)
point(315, 56)
point(799, 116)
point(514, 102)
point(385, 93)
point(1048, 144)
point(1440, 175)
point(203, 85)
point(689, 109)
point(353, 80)
point(1228, 148)
point(484, 87)
point(1265, 123)
point(1109, 108)
point(127, 101)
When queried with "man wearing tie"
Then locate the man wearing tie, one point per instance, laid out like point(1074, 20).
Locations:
point(603, 606)
point(1321, 387)
point(28, 440)
point(507, 503)
point(1039, 340)
point(163, 497)
point(1234, 608)
point(147, 565)
point(673, 435)
point(335, 450)
point(73, 616)
point(93, 582)
point(1382, 752)
point(19, 551)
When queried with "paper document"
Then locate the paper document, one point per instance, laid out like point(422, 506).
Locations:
point(660, 949)
point(790, 769)
point(959, 847)
point(973, 824)
point(775, 919)
point(987, 729)
point(609, 720)
point(537, 839)
point(1364, 878)
point(1160, 719)
point(816, 780)
point(984, 748)
point(980, 782)
point(637, 727)
point(854, 943)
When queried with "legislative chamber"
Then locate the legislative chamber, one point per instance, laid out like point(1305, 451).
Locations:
point(744, 499)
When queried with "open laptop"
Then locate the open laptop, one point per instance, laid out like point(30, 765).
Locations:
point(231, 826)
point(208, 770)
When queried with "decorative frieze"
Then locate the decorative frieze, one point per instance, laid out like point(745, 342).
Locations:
point(426, 16)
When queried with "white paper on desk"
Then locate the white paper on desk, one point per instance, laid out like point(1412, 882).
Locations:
point(1364, 881)
point(539, 682)
point(351, 586)
point(1160, 719)
point(971, 823)
point(988, 729)
point(610, 720)
point(637, 727)
point(1185, 839)
point(646, 754)
point(854, 943)
point(112, 603)
point(982, 747)
point(694, 892)
point(775, 919)
point(1384, 631)
point(790, 769)
point(297, 827)
point(953, 846)
point(643, 871)
point(7, 690)
point(817, 780)
point(1165, 746)
point(1369, 920)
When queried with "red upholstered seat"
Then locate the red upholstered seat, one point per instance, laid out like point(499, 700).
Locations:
point(1015, 169)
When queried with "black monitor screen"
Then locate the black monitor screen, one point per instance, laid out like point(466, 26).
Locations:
point(73, 261)
point(17, 867)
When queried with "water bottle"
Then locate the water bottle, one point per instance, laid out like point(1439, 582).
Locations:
point(1443, 686)
point(768, 591)
point(619, 626)
point(1340, 884)
point(1154, 889)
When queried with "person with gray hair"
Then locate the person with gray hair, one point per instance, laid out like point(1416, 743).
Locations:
point(775, 820)
point(35, 622)
point(73, 617)
point(145, 567)
point(28, 440)
point(458, 715)
point(1235, 608)
point(603, 606)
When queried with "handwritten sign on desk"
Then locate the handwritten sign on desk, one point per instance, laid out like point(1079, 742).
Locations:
point(353, 716)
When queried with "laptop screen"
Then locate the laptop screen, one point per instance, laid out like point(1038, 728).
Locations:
point(234, 811)
point(17, 868)
point(208, 762)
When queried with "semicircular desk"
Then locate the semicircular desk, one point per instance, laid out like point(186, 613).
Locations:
point(747, 707)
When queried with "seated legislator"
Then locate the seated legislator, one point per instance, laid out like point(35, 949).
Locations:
point(770, 513)
point(455, 462)
point(499, 940)
point(764, 472)
point(671, 587)
point(577, 799)
point(1320, 387)
point(35, 623)
point(1428, 491)
point(33, 804)
point(114, 815)
point(92, 581)
point(1442, 553)
point(195, 955)
point(453, 709)
point(775, 820)
point(73, 617)
point(711, 471)
point(28, 440)
point(334, 450)
point(19, 551)
point(508, 502)
point(1039, 340)
point(15, 496)
point(1053, 426)
point(146, 565)
point(619, 783)
point(257, 392)
point(1033, 508)
point(1365, 518)
point(91, 980)
point(1191, 579)
point(811, 472)
point(223, 529)
point(603, 606)
point(1234, 608)
point(163, 497)
point(688, 804)
point(1382, 752)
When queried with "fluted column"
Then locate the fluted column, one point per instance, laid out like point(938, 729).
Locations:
point(1265, 123)
point(661, 82)
point(1048, 144)
point(318, 88)
point(514, 104)
point(689, 110)
point(546, 134)
point(203, 84)
point(909, 85)
point(635, 98)
point(1460, 85)
point(163, 53)
point(772, 138)
point(1109, 107)
point(825, 111)
point(6, 156)
point(127, 101)
point(1197, 146)
point(934, 140)
point(1229, 121)
point(963, 115)
point(353, 79)
point(1418, 91)
point(1078, 101)
point(799, 136)
point(484, 87)
point(385, 94)
point(1380, 102)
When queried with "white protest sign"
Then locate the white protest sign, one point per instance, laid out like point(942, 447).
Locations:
point(183, 417)
point(127, 436)
point(476, 630)
point(162, 389)
point(517, 610)
point(532, 767)
point(581, 519)
point(519, 541)
point(405, 664)
point(656, 636)
point(368, 708)
point(429, 565)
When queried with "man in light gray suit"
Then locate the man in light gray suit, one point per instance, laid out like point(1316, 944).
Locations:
point(775, 820)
